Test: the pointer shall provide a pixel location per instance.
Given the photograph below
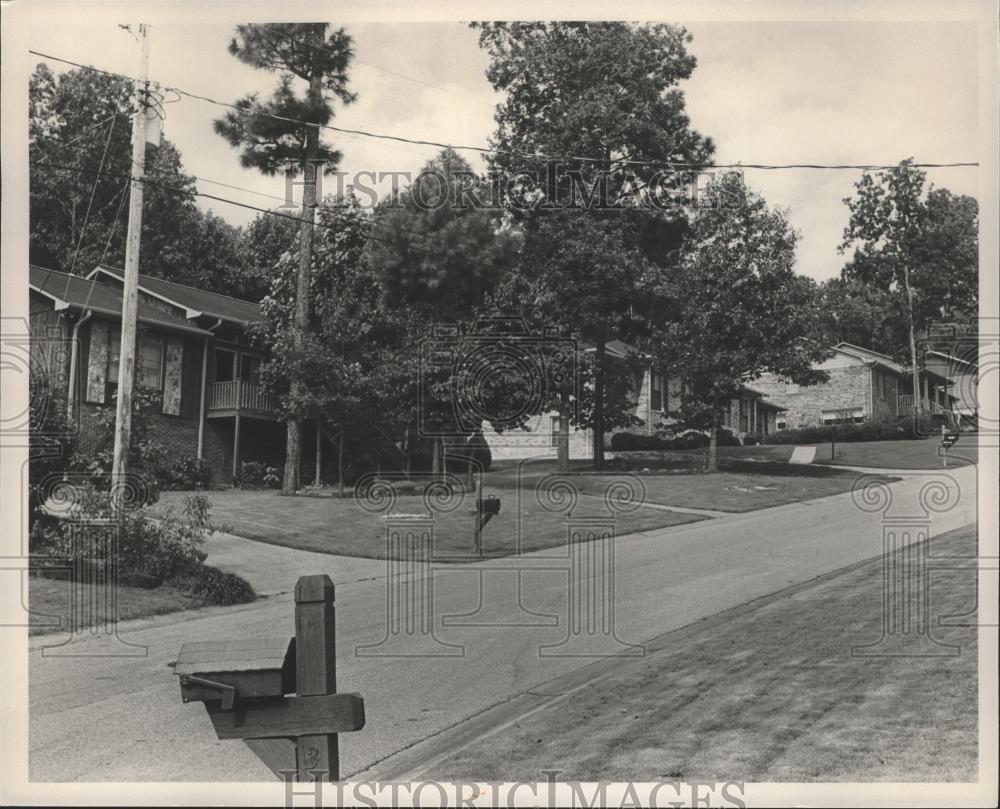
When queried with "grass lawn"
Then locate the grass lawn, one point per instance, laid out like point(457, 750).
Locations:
point(916, 454)
point(742, 485)
point(83, 605)
point(768, 695)
point(334, 525)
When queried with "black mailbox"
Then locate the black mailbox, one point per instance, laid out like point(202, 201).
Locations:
point(489, 505)
point(224, 670)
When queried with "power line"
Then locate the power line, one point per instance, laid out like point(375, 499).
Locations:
point(529, 155)
point(185, 192)
point(93, 191)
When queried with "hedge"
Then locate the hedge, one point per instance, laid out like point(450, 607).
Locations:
point(692, 439)
point(901, 429)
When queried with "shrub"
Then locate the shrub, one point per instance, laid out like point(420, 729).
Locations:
point(900, 429)
point(750, 440)
point(187, 473)
point(690, 439)
point(215, 586)
point(257, 475)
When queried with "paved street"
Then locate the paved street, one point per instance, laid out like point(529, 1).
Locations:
point(121, 718)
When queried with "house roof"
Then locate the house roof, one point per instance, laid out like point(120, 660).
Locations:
point(867, 355)
point(194, 301)
point(76, 292)
point(760, 398)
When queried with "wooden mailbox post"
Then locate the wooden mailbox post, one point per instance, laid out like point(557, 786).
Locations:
point(247, 687)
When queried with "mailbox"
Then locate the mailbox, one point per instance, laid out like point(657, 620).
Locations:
point(489, 505)
point(224, 670)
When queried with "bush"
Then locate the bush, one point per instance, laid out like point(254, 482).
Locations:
point(901, 429)
point(256, 475)
point(750, 440)
point(187, 473)
point(215, 586)
point(690, 439)
point(149, 551)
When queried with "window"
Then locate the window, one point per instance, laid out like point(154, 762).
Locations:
point(114, 351)
point(844, 416)
point(656, 394)
point(225, 365)
point(780, 424)
point(554, 427)
point(250, 368)
point(149, 363)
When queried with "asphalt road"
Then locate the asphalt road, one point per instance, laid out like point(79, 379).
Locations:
point(120, 717)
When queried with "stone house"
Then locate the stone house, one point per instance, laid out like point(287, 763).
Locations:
point(863, 385)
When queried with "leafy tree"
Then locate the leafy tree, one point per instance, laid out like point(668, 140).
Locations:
point(745, 311)
point(593, 111)
point(923, 248)
point(261, 245)
point(283, 133)
point(851, 311)
point(440, 250)
point(80, 120)
point(333, 358)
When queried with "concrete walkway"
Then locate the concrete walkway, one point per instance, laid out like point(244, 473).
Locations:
point(274, 569)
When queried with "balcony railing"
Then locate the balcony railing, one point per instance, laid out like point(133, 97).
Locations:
point(905, 403)
point(239, 396)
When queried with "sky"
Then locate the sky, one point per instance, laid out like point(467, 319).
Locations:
point(765, 92)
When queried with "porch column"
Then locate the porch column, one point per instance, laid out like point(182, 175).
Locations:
point(236, 446)
point(201, 401)
point(319, 451)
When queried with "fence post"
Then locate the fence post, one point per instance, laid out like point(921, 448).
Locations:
point(316, 669)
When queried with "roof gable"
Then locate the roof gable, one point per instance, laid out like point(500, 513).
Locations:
point(193, 301)
point(76, 292)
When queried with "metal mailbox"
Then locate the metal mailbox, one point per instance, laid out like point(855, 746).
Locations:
point(489, 505)
point(223, 670)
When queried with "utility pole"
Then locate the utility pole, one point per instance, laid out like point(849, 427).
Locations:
point(130, 292)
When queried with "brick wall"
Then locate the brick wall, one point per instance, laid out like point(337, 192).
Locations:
point(847, 387)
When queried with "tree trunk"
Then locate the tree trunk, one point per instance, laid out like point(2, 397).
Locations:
point(913, 345)
point(599, 405)
point(290, 483)
point(562, 442)
point(340, 458)
point(712, 461)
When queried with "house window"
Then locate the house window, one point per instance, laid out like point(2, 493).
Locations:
point(780, 424)
point(149, 370)
point(554, 430)
point(148, 360)
point(114, 352)
point(250, 368)
point(225, 365)
point(656, 391)
point(844, 416)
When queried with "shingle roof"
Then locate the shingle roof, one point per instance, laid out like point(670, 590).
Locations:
point(76, 292)
point(201, 301)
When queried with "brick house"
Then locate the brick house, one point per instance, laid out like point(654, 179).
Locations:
point(864, 385)
point(192, 347)
point(658, 392)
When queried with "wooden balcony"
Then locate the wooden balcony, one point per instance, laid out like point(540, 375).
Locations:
point(238, 397)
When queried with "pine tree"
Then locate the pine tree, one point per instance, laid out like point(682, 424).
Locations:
point(282, 133)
